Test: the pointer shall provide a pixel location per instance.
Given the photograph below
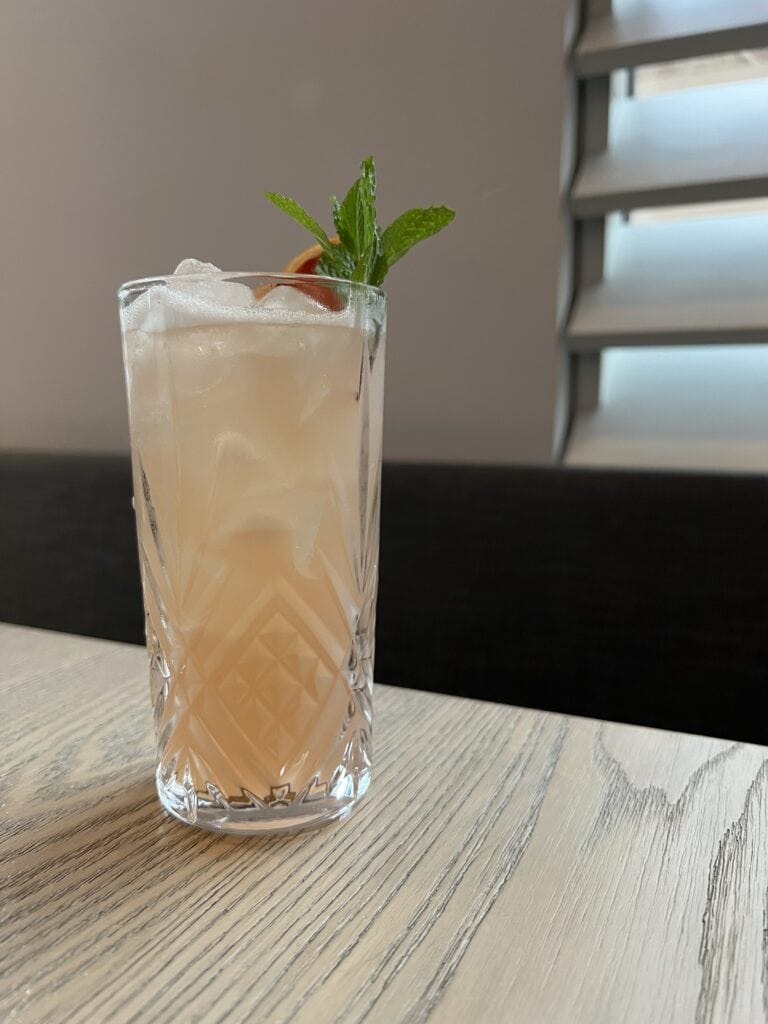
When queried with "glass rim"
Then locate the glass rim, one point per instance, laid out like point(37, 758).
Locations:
point(142, 283)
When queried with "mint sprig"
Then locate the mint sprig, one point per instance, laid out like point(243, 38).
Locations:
point(364, 252)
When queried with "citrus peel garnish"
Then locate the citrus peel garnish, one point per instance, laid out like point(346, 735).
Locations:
point(306, 263)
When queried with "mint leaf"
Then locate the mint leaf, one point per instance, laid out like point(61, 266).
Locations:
point(333, 262)
point(341, 226)
point(412, 227)
point(379, 269)
point(356, 216)
point(360, 273)
point(297, 211)
point(337, 263)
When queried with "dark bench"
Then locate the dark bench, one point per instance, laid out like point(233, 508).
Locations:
point(641, 597)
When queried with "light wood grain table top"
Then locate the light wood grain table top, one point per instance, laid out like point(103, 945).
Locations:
point(507, 866)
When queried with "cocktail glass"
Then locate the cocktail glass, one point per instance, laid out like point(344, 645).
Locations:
point(255, 406)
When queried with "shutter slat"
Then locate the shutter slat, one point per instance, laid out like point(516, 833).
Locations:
point(697, 145)
point(650, 31)
point(676, 283)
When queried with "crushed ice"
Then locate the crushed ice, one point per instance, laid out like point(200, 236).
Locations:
point(194, 301)
point(188, 302)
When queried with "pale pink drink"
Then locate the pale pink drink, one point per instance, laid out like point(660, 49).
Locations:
point(256, 410)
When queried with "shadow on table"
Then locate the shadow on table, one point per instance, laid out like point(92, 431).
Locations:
point(127, 835)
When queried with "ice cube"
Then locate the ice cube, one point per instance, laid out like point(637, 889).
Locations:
point(306, 527)
point(189, 301)
point(273, 505)
point(284, 298)
point(224, 293)
point(288, 306)
point(191, 266)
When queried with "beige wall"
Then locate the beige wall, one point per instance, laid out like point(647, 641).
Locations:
point(138, 133)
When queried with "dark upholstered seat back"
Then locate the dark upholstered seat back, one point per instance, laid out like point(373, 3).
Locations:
point(641, 597)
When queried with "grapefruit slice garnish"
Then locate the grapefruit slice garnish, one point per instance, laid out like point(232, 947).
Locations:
point(306, 263)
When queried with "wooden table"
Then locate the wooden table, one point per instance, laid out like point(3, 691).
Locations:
point(507, 866)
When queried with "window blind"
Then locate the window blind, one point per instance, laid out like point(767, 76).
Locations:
point(676, 282)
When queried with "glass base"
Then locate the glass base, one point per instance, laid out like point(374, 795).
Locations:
point(247, 819)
